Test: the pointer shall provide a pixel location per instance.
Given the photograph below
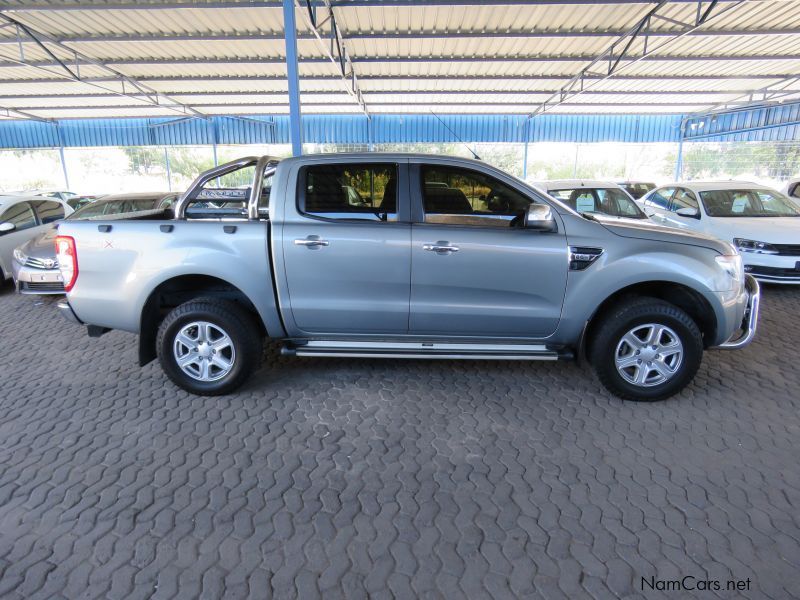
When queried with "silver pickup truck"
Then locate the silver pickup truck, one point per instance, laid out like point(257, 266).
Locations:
point(402, 256)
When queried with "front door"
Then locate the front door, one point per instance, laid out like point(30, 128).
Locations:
point(475, 270)
point(346, 249)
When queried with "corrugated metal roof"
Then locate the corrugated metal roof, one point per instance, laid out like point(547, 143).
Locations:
point(224, 57)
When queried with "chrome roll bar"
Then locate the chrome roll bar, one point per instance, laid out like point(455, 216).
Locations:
point(261, 164)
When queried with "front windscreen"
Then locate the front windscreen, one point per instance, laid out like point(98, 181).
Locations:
point(605, 201)
point(747, 203)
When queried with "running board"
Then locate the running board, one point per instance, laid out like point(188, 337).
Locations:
point(362, 349)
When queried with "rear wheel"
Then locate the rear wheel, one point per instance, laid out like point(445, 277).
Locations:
point(209, 346)
point(646, 349)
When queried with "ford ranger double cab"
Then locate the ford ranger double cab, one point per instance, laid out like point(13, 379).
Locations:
point(401, 256)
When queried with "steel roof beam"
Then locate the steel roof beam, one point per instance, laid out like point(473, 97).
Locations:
point(610, 61)
point(13, 113)
point(335, 47)
point(413, 59)
point(399, 92)
point(402, 35)
point(129, 5)
point(400, 104)
point(72, 71)
point(769, 94)
point(467, 78)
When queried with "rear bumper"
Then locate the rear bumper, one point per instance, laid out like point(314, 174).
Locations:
point(66, 310)
point(750, 321)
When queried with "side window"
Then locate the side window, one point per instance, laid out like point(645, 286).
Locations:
point(366, 192)
point(456, 196)
point(660, 198)
point(684, 199)
point(49, 211)
point(794, 190)
point(21, 215)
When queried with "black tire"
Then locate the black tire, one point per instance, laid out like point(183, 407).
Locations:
point(235, 321)
point(623, 318)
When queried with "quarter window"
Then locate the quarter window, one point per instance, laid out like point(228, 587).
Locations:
point(21, 215)
point(350, 191)
point(49, 211)
point(455, 196)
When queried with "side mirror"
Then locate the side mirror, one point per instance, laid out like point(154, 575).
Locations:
point(540, 218)
point(6, 227)
point(691, 213)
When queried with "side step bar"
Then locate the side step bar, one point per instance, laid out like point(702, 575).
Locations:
point(362, 349)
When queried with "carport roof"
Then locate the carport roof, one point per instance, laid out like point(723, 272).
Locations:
point(120, 58)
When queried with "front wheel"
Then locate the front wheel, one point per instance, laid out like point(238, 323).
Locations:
point(646, 349)
point(209, 346)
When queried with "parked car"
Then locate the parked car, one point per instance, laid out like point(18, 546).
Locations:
point(21, 219)
point(762, 223)
point(636, 189)
point(35, 268)
point(600, 197)
point(500, 271)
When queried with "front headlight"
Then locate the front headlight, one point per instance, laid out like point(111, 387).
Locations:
point(20, 256)
point(732, 263)
point(754, 246)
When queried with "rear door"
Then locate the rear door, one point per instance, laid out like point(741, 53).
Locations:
point(346, 248)
point(475, 271)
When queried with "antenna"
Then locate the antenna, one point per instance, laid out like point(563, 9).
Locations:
point(463, 143)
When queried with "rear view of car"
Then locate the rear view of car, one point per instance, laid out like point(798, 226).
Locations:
point(35, 266)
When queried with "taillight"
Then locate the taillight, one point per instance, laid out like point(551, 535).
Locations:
point(67, 260)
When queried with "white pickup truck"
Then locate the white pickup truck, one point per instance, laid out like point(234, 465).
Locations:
point(402, 256)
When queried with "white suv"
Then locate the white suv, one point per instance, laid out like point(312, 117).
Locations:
point(763, 223)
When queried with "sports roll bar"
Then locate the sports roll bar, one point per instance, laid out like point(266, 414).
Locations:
point(261, 164)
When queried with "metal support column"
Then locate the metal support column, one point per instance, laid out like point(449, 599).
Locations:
point(169, 169)
point(213, 126)
point(64, 166)
point(679, 161)
point(292, 74)
point(526, 133)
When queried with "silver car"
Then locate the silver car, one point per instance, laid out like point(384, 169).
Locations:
point(23, 218)
point(34, 266)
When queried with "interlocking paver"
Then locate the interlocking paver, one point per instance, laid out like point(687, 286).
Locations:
point(355, 479)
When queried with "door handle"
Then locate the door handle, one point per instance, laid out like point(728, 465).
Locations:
point(312, 242)
point(440, 247)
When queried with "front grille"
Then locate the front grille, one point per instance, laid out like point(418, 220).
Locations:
point(41, 263)
point(772, 271)
point(42, 286)
point(787, 249)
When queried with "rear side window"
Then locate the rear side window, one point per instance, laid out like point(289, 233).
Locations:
point(349, 191)
point(49, 211)
point(20, 214)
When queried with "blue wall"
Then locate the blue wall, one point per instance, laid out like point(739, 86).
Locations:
point(775, 123)
point(343, 129)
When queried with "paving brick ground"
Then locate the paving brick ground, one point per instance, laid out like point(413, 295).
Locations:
point(344, 478)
